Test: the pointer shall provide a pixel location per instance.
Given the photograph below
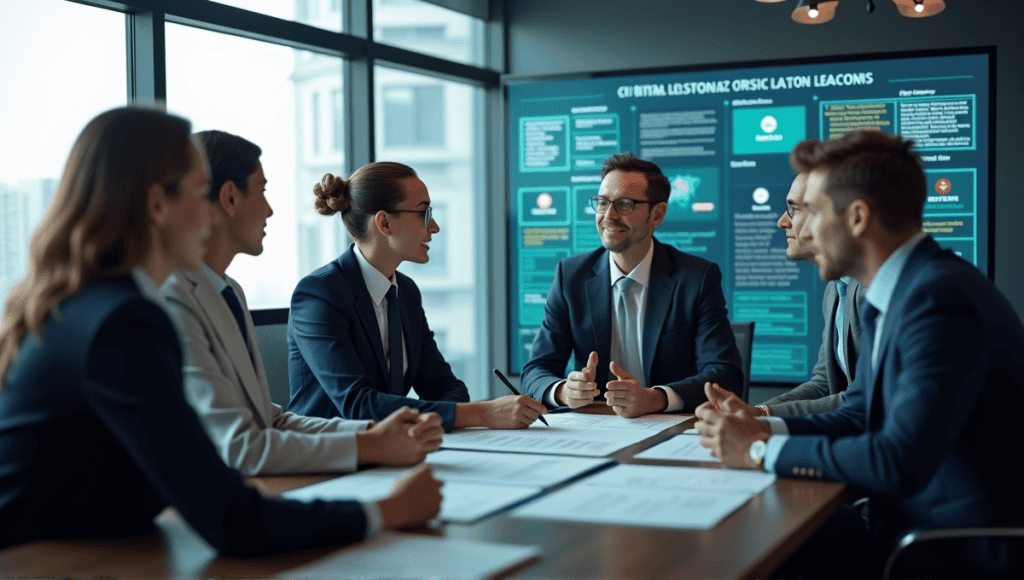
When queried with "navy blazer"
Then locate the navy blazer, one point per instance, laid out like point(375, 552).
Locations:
point(926, 432)
point(687, 336)
point(96, 438)
point(336, 365)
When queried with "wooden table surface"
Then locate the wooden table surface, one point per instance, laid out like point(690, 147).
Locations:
point(750, 543)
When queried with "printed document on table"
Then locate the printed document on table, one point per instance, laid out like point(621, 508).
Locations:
point(557, 440)
point(647, 477)
point(390, 555)
point(681, 447)
point(671, 497)
point(450, 465)
point(655, 423)
point(655, 508)
point(461, 502)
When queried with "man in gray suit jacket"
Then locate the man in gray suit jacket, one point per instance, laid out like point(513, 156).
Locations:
point(837, 357)
point(224, 376)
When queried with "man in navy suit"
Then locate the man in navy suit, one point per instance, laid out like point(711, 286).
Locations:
point(938, 388)
point(649, 320)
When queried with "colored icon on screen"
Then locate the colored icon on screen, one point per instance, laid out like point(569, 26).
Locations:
point(544, 201)
point(769, 124)
point(943, 186)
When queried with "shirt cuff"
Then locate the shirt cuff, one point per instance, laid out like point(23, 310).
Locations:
point(549, 395)
point(772, 452)
point(374, 519)
point(675, 402)
point(776, 424)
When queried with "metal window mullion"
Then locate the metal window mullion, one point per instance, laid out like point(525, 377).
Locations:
point(146, 58)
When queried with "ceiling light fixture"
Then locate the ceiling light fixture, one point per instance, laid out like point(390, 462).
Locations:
point(820, 12)
point(815, 12)
point(919, 8)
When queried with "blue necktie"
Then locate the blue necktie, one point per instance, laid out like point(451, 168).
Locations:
point(236, 308)
point(625, 320)
point(394, 342)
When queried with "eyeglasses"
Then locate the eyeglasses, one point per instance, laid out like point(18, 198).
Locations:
point(428, 214)
point(623, 205)
point(790, 210)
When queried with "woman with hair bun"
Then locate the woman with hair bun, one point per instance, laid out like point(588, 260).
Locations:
point(358, 339)
point(96, 437)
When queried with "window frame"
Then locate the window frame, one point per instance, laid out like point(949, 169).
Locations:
point(145, 21)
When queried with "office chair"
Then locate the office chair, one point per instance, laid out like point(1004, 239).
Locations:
point(744, 332)
point(958, 553)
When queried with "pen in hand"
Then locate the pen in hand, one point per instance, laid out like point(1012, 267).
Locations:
point(498, 374)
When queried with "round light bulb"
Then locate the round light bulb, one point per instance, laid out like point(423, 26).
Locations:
point(813, 12)
point(919, 8)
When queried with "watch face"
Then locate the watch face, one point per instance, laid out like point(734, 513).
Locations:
point(757, 450)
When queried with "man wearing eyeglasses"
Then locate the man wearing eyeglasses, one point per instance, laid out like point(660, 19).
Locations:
point(840, 342)
point(645, 323)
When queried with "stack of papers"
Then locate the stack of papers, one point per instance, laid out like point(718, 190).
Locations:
point(681, 447)
point(652, 496)
point(475, 484)
point(556, 439)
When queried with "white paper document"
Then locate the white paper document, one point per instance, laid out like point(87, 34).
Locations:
point(651, 496)
point(654, 422)
point(450, 465)
point(681, 447)
point(391, 555)
point(558, 440)
point(461, 502)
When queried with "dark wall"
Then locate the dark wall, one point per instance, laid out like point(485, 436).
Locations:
point(568, 36)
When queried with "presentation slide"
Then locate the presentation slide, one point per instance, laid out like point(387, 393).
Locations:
point(723, 138)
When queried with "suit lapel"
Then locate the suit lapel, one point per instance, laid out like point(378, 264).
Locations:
point(363, 304)
point(831, 356)
point(660, 289)
point(225, 331)
point(851, 330)
point(599, 304)
point(894, 313)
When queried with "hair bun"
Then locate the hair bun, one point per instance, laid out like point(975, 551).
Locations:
point(331, 194)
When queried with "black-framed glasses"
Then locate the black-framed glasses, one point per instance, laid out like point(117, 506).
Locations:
point(790, 210)
point(623, 205)
point(428, 214)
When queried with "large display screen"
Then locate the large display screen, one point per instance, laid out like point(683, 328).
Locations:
point(723, 137)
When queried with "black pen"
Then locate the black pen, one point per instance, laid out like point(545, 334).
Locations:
point(498, 374)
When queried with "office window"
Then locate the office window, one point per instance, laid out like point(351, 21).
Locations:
point(452, 171)
point(337, 121)
point(326, 14)
point(263, 92)
point(415, 115)
point(63, 64)
point(423, 27)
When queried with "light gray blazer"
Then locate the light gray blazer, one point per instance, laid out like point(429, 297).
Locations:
point(229, 391)
point(826, 388)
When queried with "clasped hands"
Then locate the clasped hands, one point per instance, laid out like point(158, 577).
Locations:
point(728, 427)
point(625, 395)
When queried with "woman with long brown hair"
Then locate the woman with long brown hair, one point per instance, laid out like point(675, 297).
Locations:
point(96, 436)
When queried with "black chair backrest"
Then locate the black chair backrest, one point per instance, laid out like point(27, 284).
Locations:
point(744, 332)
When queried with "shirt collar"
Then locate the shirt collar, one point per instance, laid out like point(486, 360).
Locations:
point(641, 274)
point(883, 285)
point(376, 283)
point(147, 287)
point(218, 282)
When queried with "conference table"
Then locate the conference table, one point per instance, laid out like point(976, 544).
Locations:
point(750, 543)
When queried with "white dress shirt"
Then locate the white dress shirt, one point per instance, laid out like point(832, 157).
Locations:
point(377, 285)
